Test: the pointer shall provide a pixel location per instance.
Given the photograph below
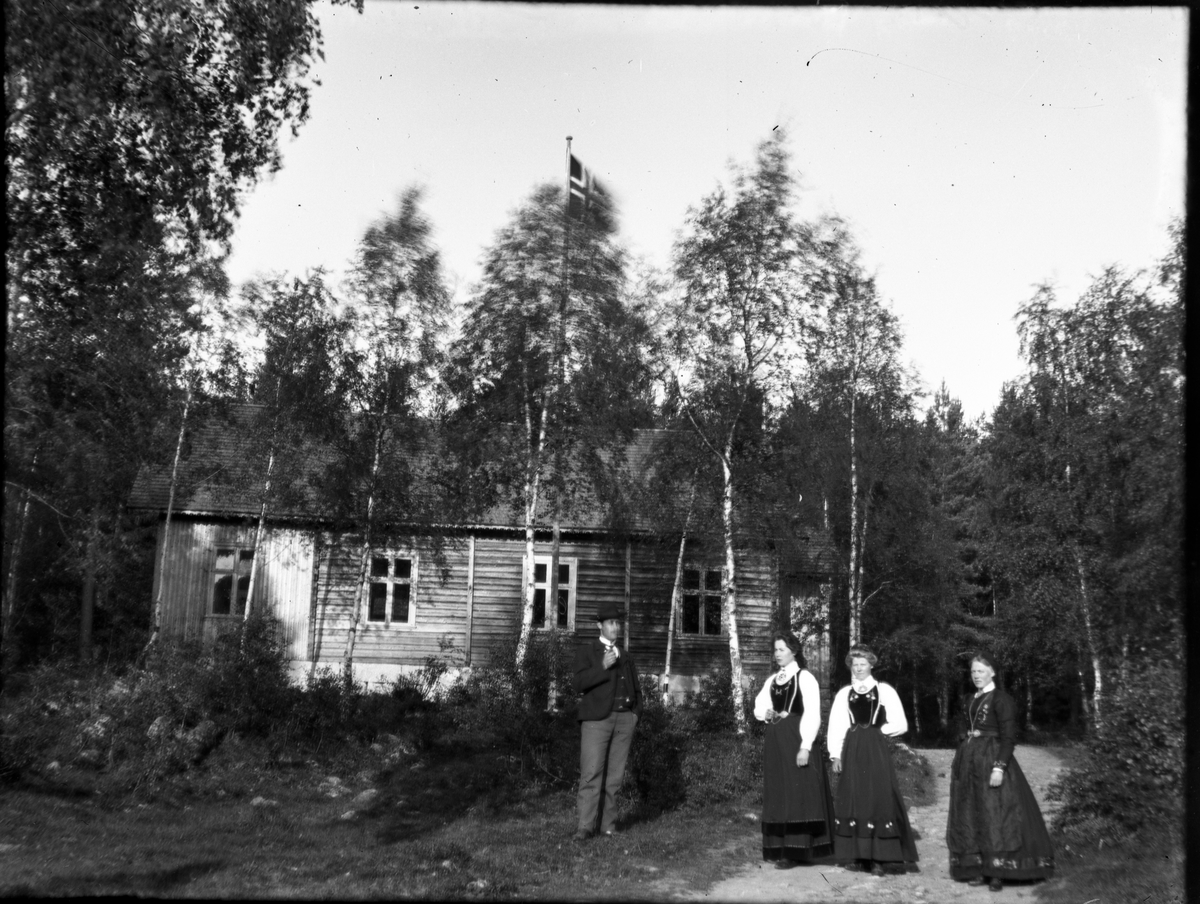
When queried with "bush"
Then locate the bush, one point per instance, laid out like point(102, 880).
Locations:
point(240, 682)
point(913, 774)
point(711, 705)
point(655, 772)
point(722, 767)
point(1131, 772)
point(44, 713)
point(691, 754)
point(529, 716)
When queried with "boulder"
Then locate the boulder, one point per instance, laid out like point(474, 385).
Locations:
point(159, 729)
point(201, 740)
point(364, 799)
point(98, 730)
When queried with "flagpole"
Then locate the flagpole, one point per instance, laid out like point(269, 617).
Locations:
point(566, 291)
point(562, 374)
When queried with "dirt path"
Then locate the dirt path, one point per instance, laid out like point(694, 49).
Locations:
point(761, 882)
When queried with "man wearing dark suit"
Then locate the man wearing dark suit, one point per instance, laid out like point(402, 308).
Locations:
point(608, 712)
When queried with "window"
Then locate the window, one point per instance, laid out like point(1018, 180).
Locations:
point(701, 601)
point(390, 595)
point(231, 580)
point(560, 614)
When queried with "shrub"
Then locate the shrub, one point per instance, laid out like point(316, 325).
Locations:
point(690, 754)
point(722, 767)
point(913, 774)
point(1131, 772)
point(528, 715)
point(655, 775)
point(712, 704)
point(44, 713)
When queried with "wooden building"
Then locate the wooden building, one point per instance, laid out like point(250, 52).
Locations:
point(453, 592)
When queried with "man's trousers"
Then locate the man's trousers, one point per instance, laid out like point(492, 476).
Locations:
point(603, 749)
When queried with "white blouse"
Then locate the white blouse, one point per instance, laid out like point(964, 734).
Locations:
point(839, 716)
point(810, 693)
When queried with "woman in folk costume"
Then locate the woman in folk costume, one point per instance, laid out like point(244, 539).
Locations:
point(797, 810)
point(995, 829)
point(870, 822)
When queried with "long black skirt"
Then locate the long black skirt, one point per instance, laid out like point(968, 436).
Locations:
point(869, 818)
point(994, 832)
point(796, 818)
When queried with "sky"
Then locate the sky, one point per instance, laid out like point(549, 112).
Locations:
point(975, 153)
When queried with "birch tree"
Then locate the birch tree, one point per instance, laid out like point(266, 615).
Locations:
point(855, 362)
point(547, 373)
point(132, 130)
point(747, 275)
point(399, 307)
point(297, 394)
point(1090, 446)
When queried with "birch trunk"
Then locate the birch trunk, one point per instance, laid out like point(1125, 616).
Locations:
point(916, 710)
point(552, 577)
point(852, 590)
point(676, 594)
point(1083, 696)
point(259, 531)
point(87, 596)
point(944, 706)
point(729, 596)
point(364, 560)
point(1123, 674)
point(1085, 605)
point(1029, 726)
point(532, 484)
point(677, 590)
point(156, 618)
point(10, 583)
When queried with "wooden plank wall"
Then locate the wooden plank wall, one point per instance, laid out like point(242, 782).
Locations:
point(653, 577)
point(283, 584)
point(311, 587)
point(440, 606)
point(441, 612)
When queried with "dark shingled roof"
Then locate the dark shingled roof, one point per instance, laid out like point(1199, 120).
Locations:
point(220, 478)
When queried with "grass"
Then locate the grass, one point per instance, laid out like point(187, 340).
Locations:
point(1146, 870)
point(442, 828)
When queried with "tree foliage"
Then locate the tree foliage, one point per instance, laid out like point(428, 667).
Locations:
point(749, 275)
point(549, 371)
point(131, 129)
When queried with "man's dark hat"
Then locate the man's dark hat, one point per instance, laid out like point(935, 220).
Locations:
point(609, 610)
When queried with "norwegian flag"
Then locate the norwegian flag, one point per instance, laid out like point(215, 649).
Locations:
point(588, 201)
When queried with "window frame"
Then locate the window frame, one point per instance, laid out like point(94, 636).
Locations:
point(707, 597)
point(391, 581)
point(215, 572)
point(572, 588)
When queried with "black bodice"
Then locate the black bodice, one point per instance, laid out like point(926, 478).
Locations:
point(865, 709)
point(786, 698)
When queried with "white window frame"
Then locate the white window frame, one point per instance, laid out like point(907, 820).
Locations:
point(234, 573)
point(390, 579)
point(551, 622)
point(708, 597)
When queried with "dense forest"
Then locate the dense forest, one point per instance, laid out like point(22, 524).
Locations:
point(1049, 532)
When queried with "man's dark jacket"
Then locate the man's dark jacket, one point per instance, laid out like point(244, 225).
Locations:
point(599, 685)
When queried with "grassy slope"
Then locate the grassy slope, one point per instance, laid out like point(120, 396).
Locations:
point(439, 827)
point(430, 833)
